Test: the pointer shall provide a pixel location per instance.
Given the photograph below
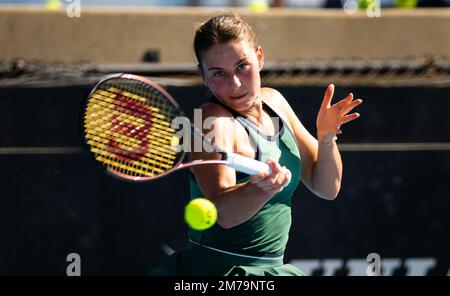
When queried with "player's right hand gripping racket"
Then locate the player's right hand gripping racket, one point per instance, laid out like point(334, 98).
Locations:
point(128, 129)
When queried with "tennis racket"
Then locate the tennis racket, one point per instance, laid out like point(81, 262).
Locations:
point(128, 130)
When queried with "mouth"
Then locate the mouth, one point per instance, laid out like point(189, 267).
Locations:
point(238, 97)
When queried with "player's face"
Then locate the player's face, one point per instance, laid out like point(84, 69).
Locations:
point(231, 71)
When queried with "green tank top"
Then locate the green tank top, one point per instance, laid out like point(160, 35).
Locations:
point(267, 231)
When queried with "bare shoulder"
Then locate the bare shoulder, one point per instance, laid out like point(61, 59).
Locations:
point(212, 109)
point(272, 96)
point(214, 114)
point(219, 124)
point(278, 102)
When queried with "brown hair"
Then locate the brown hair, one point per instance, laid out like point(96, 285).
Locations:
point(219, 29)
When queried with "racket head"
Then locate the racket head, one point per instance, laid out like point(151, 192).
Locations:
point(126, 128)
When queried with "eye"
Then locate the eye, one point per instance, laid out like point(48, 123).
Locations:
point(219, 74)
point(243, 66)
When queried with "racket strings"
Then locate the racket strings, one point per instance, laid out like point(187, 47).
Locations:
point(128, 128)
point(102, 122)
point(146, 155)
point(110, 102)
point(150, 159)
point(119, 127)
point(144, 93)
point(100, 116)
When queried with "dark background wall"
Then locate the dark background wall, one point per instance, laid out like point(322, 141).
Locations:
point(56, 202)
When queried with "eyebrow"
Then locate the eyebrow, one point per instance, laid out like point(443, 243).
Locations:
point(218, 68)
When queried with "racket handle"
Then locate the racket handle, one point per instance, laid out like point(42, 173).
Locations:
point(250, 166)
point(247, 165)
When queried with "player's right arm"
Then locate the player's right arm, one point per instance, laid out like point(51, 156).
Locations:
point(236, 203)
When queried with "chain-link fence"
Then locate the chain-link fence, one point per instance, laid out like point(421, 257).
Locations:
point(432, 71)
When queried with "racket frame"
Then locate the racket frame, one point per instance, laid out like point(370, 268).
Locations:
point(233, 160)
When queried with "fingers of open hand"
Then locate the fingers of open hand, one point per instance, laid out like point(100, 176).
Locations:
point(343, 107)
point(350, 117)
point(344, 101)
point(349, 106)
point(328, 96)
point(331, 118)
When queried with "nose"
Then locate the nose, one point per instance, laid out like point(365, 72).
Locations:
point(235, 82)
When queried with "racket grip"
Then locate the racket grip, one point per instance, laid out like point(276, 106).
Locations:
point(247, 165)
point(250, 166)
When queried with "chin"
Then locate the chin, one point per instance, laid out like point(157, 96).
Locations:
point(242, 107)
point(242, 104)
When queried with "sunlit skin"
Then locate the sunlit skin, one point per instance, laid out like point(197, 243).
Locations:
point(231, 72)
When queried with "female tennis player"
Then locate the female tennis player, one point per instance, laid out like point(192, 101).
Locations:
point(254, 212)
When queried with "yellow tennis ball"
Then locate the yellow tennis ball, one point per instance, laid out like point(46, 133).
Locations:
point(364, 4)
point(53, 4)
point(259, 6)
point(200, 214)
point(405, 3)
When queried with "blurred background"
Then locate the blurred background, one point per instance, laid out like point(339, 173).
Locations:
point(394, 199)
point(234, 3)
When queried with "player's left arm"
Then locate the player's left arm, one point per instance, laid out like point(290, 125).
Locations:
point(321, 160)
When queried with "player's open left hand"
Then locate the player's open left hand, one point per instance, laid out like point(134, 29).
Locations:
point(331, 117)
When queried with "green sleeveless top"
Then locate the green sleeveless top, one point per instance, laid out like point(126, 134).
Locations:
point(267, 231)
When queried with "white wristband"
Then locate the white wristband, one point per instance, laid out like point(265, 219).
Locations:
point(329, 142)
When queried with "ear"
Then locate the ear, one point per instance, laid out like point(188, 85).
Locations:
point(260, 56)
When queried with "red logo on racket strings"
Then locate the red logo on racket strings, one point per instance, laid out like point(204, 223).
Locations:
point(130, 130)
